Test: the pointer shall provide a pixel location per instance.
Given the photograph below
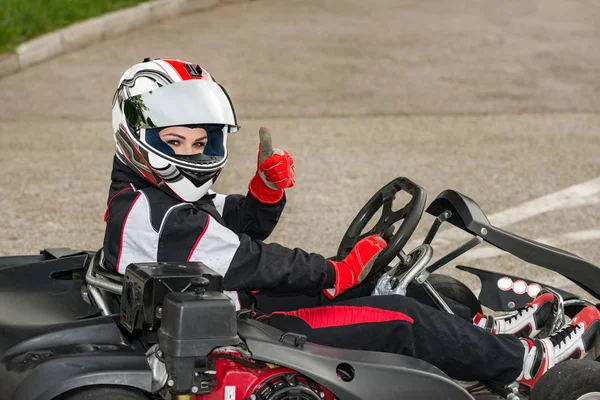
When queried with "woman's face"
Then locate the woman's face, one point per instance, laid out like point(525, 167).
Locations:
point(183, 140)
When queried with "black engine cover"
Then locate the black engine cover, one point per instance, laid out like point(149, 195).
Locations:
point(145, 286)
point(193, 325)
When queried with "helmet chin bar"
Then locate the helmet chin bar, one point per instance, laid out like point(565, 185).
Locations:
point(187, 191)
point(180, 183)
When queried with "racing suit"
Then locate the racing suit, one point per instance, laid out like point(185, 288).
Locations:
point(144, 224)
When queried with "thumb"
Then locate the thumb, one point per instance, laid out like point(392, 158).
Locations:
point(368, 266)
point(376, 241)
point(265, 147)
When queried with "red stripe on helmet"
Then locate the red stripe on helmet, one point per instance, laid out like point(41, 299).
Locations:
point(183, 72)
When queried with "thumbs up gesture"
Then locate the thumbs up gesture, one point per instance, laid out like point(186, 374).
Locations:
point(274, 172)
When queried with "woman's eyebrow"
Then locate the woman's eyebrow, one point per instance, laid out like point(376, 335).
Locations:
point(176, 135)
point(202, 138)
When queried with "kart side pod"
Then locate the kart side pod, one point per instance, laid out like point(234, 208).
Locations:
point(193, 324)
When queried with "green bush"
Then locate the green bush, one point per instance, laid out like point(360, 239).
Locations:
point(21, 20)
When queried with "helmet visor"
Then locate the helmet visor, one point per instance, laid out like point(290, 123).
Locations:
point(187, 142)
point(182, 103)
point(199, 147)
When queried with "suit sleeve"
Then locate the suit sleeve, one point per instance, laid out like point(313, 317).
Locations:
point(246, 215)
point(246, 264)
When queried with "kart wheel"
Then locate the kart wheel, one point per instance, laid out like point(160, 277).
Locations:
point(105, 392)
point(455, 290)
point(569, 380)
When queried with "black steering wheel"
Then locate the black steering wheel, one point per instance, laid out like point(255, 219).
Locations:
point(410, 214)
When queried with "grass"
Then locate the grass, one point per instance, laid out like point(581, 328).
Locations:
point(21, 20)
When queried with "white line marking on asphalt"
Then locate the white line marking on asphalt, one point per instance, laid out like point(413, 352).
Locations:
point(581, 194)
point(579, 236)
point(573, 196)
point(590, 234)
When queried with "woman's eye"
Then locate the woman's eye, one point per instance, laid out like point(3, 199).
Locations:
point(199, 144)
point(173, 142)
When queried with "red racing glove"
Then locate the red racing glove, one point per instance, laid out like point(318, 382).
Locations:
point(274, 172)
point(356, 266)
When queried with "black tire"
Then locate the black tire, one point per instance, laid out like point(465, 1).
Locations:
point(568, 380)
point(103, 393)
point(454, 289)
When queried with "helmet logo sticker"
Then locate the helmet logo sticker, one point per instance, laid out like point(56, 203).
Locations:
point(193, 70)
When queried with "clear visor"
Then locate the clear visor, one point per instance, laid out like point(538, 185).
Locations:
point(195, 143)
point(182, 103)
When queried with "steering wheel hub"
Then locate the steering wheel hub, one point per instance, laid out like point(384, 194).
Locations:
point(397, 279)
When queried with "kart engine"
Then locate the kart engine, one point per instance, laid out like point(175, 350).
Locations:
point(180, 312)
point(233, 375)
point(239, 377)
point(182, 307)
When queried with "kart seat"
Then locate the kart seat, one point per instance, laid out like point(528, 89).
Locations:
point(468, 216)
point(46, 291)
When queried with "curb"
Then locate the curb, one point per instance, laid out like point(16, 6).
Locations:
point(81, 34)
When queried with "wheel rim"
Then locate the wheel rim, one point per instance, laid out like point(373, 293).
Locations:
point(590, 396)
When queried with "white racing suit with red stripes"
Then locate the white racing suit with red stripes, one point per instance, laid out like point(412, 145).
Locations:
point(144, 224)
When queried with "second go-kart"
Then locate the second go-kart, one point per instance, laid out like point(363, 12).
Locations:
point(71, 329)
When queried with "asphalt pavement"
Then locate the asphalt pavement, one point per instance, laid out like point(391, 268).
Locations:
point(498, 100)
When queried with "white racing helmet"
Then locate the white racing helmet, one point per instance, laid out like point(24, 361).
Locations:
point(161, 93)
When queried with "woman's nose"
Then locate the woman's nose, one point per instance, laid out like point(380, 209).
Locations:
point(186, 150)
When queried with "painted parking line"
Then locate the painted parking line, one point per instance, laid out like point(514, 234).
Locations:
point(581, 194)
point(579, 236)
point(590, 234)
point(574, 196)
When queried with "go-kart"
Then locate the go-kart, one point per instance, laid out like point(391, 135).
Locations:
point(72, 329)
